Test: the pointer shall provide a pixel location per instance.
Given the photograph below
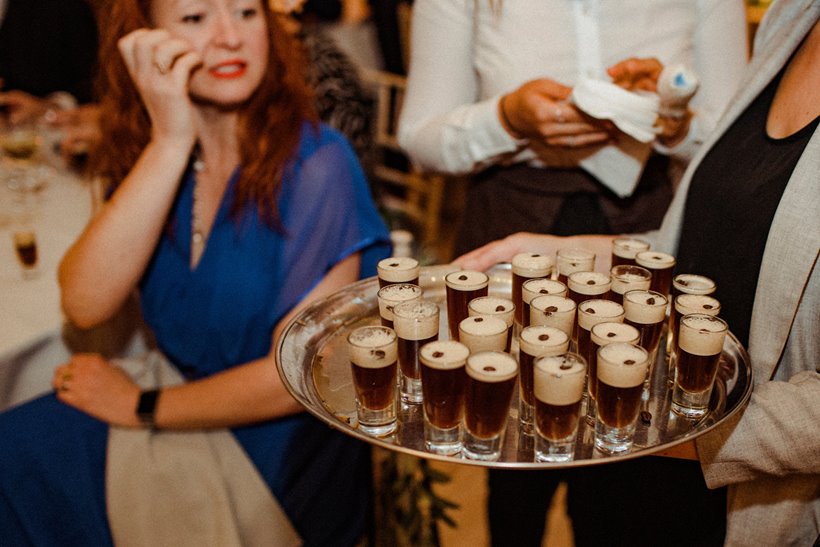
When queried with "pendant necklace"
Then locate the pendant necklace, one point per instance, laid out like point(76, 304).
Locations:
point(197, 233)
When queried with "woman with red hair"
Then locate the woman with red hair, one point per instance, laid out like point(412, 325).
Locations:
point(232, 207)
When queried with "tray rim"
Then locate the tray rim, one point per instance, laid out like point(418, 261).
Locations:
point(322, 413)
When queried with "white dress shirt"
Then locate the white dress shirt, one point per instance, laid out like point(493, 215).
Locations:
point(465, 56)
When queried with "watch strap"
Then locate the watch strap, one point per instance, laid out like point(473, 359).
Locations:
point(147, 406)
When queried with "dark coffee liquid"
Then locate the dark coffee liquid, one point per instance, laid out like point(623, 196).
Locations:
point(457, 302)
point(409, 355)
point(443, 395)
point(522, 311)
point(375, 387)
point(650, 335)
point(696, 372)
point(486, 406)
point(661, 280)
point(586, 349)
point(556, 422)
point(618, 406)
point(592, 371)
point(526, 374)
point(27, 253)
point(386, 322)
point(619, 260)
point(411, 281)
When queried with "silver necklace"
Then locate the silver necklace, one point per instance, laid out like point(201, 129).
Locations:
point(197, 233)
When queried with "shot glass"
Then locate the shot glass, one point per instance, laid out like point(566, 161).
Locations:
point(416, 324)
point(443, 380)
point(700, 343)
point(661, 266)
point(495, 306)
point(624, 250)
point(534, 342)
point(553, 311)
point(621, 371)
point(462, 287)
point(559, 387)
point(602, 334)
point(491, 378)
point(481, 333)
point(398, 269)
point(25, 246)
point(391, 296)
point(685, 284)
point(573, 260)
point(627, 278)
point(684, 304)
point(646, 311)
point(533, 288)
point(588, 286)
point(527, 266)
point(373, 361)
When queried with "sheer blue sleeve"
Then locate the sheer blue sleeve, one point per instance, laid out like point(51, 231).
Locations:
point(328, 214)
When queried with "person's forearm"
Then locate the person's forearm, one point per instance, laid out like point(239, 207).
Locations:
point(102, 268)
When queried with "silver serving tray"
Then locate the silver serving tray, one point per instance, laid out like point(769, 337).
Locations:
point(312, 360)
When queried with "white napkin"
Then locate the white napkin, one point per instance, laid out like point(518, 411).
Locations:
point(634, 114)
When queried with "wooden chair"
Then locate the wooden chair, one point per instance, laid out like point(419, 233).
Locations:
point(417, 195)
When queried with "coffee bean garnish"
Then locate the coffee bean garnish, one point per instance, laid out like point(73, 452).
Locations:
point(438, 354)
point(650, 301)
point(462, 278)
point(591, 282)
point(646, 416)
point(535, 255)
point(707, 306)
point(683, 282)
point(378, 353)
point(544, 291)
point(611, 334)
point(565, 366)
point(394, 265)
point(590, 310)
point(543, 337)
point(478, 319)
point(500, 308)
point(551, 309)
point(489, 369)
point(629, 362)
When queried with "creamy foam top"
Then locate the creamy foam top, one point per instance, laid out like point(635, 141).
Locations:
point(398, 268)
point(537, 287)
point(372, 347)
point(532, 264)
point(610, 332)
point(625, 278)
point(559, 379)
point(416, 320)
point(597, 311)
point(480, 325)
point(645, 307)
point(391, 295)
point(693, 284)
point(575, 260)
point(589, 283)
point(702, 334)
point(491, 366)
point(553, 311)
point(622, 365)
point(444, 354)
point(541, 340)
point(628, 247)
point(467, 280)
point(494, 306)
point(654, 260)
point(696, 303)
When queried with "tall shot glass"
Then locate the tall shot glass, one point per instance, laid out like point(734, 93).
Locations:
point(442, 383)
point(551, 310)
point(700, 343)
point(398, 269)
point(416, 324)
point(661, 266)
point(571, 260)
point(627, 278)
point(601, 335)
point(491, 378)
point(622, 368)
point(527, 266)
point(684, 304)
point(533, 288)
point(559, 387)
point(692, 284)
point(624, 250)
point(462, 287)
point(588, 286)
point(495, 306)
point(534, 342)
point(481, 333)
point(373, 361)
point(646, 311)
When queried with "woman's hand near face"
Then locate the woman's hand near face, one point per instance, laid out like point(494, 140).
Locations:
point(160, 66)
point(539, 111)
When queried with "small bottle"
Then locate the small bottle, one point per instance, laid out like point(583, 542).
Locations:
point(677, 84)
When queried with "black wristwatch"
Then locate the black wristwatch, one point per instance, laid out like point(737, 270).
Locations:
point(147, 407)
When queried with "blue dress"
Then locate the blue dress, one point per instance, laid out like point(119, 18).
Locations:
point(218, 315)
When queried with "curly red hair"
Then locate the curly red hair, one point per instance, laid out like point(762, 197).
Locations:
point(270, 123)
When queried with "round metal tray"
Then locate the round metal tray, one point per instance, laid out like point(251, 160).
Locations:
point(313, 363)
